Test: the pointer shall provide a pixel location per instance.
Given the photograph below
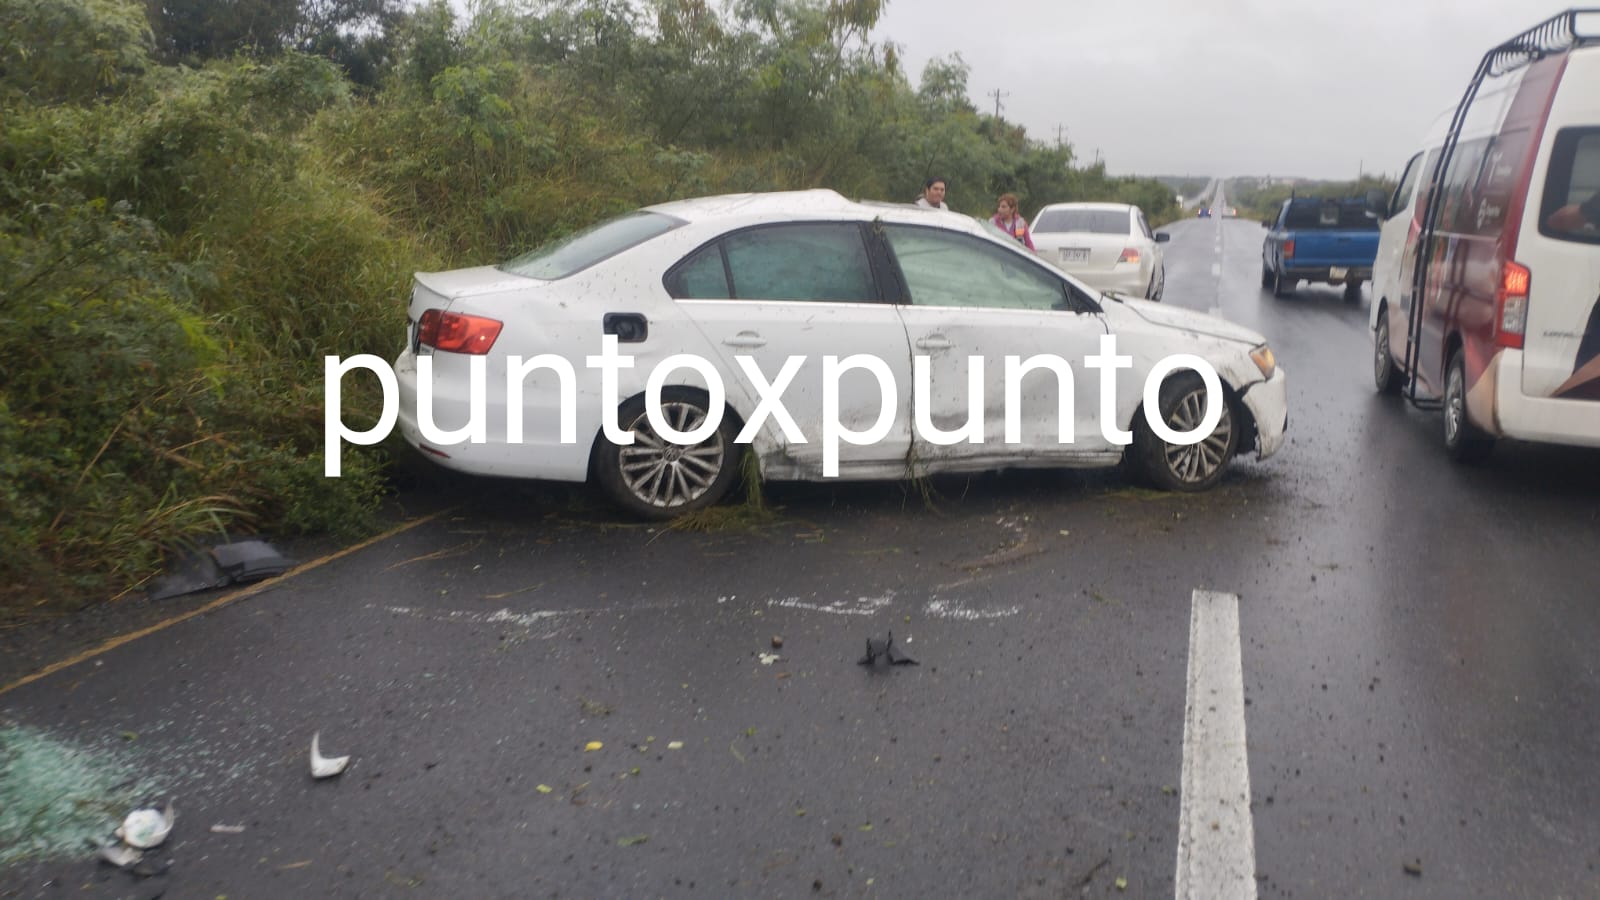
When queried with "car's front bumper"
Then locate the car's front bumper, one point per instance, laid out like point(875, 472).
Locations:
point(1268, 402)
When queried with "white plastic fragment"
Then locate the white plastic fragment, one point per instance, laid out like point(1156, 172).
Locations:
point(324, 766)
point(120, 856)
point(768, 659)
point(147, 827)
point(227, 829)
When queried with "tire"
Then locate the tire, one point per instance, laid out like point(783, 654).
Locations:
point(1266, 276)
point(1176, 467)
point(1385, 374)
point(1462, 440)
point(1281, 288)
point(1352, 292)
point(655, 479)
point(1158, 285)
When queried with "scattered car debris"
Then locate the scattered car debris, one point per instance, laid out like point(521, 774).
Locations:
point(227, 829)
point(768, 659)
point(120, 855)
point(884, 649)
point(592, 746)
point(324, 766)
point(147, 827)
point(235, 562)
point(777, 642)
point(1414, 868)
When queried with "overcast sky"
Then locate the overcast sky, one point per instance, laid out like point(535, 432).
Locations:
point(1310, 88)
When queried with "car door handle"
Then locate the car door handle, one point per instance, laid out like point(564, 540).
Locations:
point(934, 342)
point(745, 339)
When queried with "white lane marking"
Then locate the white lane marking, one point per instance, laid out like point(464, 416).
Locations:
point(946, 609)
point(864, 606)
point(1216, 269)
point(1216, 839)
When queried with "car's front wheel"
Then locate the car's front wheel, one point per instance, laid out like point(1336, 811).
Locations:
point(1184, 467)
point(655, 478)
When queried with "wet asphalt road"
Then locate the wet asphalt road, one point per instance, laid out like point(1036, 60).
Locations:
point(1417, 644)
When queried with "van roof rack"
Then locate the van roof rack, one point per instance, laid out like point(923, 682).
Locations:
point(1558, 34)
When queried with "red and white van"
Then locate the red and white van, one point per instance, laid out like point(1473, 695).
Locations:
point(1486, 289)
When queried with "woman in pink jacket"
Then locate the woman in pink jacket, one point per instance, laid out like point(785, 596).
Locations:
point(1010, 221)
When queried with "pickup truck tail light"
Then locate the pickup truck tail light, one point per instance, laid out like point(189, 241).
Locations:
point(1129, 255)
point(457, 333)
point(1288, 248)
point(1511, 305)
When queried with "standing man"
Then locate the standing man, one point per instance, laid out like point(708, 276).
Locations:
point(933, 194)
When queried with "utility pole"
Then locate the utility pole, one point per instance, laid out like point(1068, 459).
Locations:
point(997, 94)
point(1060, 139)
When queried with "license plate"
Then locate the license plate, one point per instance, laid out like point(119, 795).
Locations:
point(1337, 272)
point(1074, 254)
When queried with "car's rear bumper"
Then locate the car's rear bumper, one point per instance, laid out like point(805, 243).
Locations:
point(1130, 281)
point(1514, 414)
point(1328, 274)
point(1268, 402)
point(538, 454)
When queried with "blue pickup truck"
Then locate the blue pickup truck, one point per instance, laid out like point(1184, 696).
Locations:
point(1319, 240)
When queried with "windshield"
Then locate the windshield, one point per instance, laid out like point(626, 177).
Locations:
point(582, 249)
point(1093, 221)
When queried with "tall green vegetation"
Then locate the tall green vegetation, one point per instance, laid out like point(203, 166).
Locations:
point(199, 201)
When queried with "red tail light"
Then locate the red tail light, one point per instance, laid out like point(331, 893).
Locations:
point(1288, 248)
point(1511, 305)
point(1129, 255)
point(457, 333)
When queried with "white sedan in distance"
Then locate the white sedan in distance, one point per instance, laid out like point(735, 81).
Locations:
point(651, 353)
point(1108, 246)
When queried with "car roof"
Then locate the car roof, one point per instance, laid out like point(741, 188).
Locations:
point(1112, 207)
point(822, 204)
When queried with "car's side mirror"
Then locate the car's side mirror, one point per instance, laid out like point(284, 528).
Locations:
point(1162, 237)
point(1378, 203)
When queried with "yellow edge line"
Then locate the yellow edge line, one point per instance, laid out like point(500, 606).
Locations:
point(215, 604)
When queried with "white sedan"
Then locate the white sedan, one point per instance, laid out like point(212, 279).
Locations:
point(1108, 246)
point(827, 339)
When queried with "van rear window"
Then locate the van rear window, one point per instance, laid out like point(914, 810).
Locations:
point(1570, 210)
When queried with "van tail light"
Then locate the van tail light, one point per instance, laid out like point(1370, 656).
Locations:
point(1288, 248)
point(1129, 255)
point(1511, 305)
point(457, 333)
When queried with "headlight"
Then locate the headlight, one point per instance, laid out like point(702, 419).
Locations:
point(1264, 360)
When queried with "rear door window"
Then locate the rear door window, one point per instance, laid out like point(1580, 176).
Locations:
point(1570, 210)
point(804, 261)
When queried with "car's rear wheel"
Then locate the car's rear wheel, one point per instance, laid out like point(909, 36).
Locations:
point(1385, 374)
point(1184, 467)
point(1266, 276)
point(1281, 287)
point(1462, 440)
point(656, 479)
point(1352, 292)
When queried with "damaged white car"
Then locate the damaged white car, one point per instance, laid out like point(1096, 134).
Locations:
point(825, 338)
